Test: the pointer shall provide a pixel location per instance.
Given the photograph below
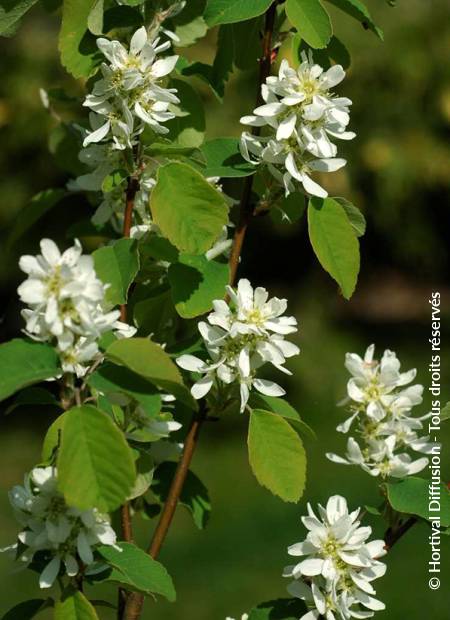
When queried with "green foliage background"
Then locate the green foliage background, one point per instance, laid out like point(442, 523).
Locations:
point(398, 175)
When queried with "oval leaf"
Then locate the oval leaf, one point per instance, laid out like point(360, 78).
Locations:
point(224, 159)
point(117, 265)
point(311, 21)
point(230, 11)
point(23, 362)
point(149, 360)
point(188, 210)
point(137, 570)
point(276, 455)
point(334, 242)
point(411, 496)
point(77, 46)
point(74, 606)
point(95, 464)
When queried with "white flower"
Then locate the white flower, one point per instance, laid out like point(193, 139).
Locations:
point(243, 617)
point(381, 406)
point(65, 302)
point(339, 564)
point(300, 115)
point(240, 336)
point(130, 94)
point(65, 534)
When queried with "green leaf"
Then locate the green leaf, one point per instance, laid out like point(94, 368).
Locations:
point(334, 242)
point(95, 18)
point(52, 438)
point(230, 11)
point(137, 570)
point(289, 209)
point(223, 159)
point(246, 43)
point(284, 409)
point(411, 496)
point(24, 362)
point(190, 25)
point(10, 14)
point(187, 129)
point(74, 606)
point(148, 359)
point(311, 21)
point(33, 396)
point(110, 379)
point(117, 265)
point(155, 314)
point(445, 412)
point(196, 282)
point(122, 17)
point(194, 495)
point(39, 206)
point(188, 210)
point(27, 609)
point(355, 217)
point(95, 464)
point(280, 609)
point(276, 455)
point(358, 10)
point(79, 53)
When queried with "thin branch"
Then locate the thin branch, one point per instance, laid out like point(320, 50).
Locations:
point(132, 189)
point(393, 534)
point(134, 603)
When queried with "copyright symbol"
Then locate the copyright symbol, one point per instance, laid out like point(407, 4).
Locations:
point(434, 583)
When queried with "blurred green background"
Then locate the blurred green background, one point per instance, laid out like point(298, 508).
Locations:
point(397, 173)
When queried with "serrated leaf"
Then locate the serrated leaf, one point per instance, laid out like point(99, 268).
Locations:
point(230, 11)
point(224, 159)
point(24, 362)
point(11, 13)
point(95, 18)
point(355, 217)
point(148, 359)
point(358, 10)
point(412, 496)
point(196, 282)
point(117, 265)
point(188, 128)
point(188, 210)
point(334, 242)
point(137, 570)
point(110, 379)
point(74, 606)
point(52, 438)
point(311, 21)
point(284, 409)
point(79, 53)
point(276, 455)
point(279, 609)
point(95, 464)
point(27, 609)
point(194, 495)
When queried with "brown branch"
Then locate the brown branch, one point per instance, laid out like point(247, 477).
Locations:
point(132, 188)
point(245, 207)
point(393, 534)
point(134, 603)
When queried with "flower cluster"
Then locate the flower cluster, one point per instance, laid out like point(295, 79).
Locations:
point(64, 536)
point(381, 403)
point(66, 304)
point(130, 94)
point(334, 578)
point(301, 116)
point(240, 337)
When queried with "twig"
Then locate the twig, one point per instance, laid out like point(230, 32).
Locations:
point(393, 534)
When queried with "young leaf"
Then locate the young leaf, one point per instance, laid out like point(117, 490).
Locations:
point(95, 18)
point(95, 463)
point(284, 409)
point(355, 217)
point(282, 609)
point(135, 569)
point(187, 209)
point(276, 455)
point(27, 609)
point(117, 265)
point(196, 282)
point(311, 21)
point(358, 10)
point(194, 495)
point(411, 496)
point(110, 379)
point(11, 13)
point(223, 159)
point(74, 606)
point(24, 362)
point(187, 129)
point(148, 359)
point(229, 11)
point(77, 46)
point(334, 242)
